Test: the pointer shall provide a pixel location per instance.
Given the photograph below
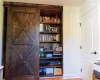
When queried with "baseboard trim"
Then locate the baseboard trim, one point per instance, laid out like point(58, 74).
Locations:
point(69, 76)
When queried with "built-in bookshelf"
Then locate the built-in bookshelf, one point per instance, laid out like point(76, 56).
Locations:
point(51, 45)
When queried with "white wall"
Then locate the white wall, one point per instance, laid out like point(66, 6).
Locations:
point(71, 32)
point(1, 26)
point(87, 6)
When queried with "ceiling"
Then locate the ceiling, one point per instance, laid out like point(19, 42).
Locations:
point(52, 2)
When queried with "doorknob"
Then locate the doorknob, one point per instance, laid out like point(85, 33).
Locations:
point(94, 53)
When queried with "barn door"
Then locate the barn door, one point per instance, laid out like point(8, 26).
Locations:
point(22, 50)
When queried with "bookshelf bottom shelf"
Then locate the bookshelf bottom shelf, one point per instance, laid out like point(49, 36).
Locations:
point(50, 75)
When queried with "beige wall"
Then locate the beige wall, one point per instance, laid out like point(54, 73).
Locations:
point(71, 33)
point(1, 26)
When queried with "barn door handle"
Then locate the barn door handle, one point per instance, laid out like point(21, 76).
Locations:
point(94, 53)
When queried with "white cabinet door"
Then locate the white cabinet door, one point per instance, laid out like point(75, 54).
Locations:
point(90, 42)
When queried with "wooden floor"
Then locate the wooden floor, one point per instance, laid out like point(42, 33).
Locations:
point(59, 79)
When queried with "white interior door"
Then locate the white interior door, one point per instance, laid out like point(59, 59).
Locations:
point(90, 42)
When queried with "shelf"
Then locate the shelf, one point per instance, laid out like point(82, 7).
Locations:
point(49, 23)
point(51, 51)
point(51, 58)
point(49, 75)
point(51, 66)
point(50, 42)
point(49, 32)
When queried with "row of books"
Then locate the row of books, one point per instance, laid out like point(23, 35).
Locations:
point(50, 19)
point(49, 37)
point(50, 55)
point(55, 47)
point(49, 28)
point(50, 62)
point(54, 71)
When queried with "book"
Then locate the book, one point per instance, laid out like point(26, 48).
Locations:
point(57, 37)
point(49, 70)
point(41, 28)
point(57, 71)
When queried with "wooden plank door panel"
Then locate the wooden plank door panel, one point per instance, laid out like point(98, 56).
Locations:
point(22, 44)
